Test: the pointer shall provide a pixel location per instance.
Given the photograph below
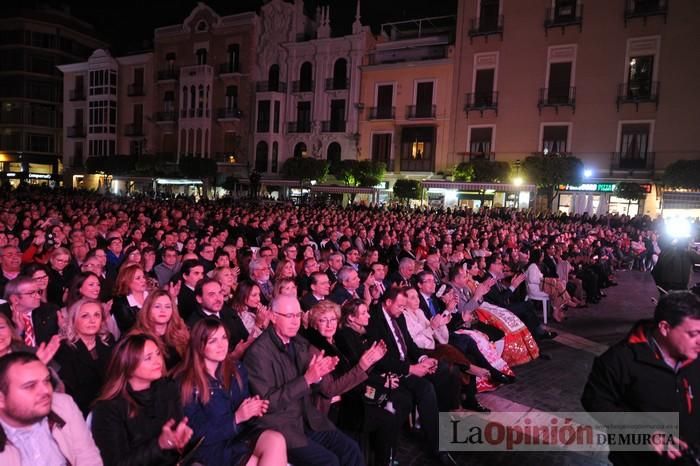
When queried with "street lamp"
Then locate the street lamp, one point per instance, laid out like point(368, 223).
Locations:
point(517, 181)
point(587, 173)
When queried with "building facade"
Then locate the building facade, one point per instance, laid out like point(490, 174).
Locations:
point(609, 82)
point(32, 44)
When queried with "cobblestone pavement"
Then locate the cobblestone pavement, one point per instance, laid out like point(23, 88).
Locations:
point(556, 384)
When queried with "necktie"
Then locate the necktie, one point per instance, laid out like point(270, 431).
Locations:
point(399, 337)
point(28, 331)
point(431, 305)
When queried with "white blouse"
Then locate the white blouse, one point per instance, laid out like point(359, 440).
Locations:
point(423, 335)
point(533, 276)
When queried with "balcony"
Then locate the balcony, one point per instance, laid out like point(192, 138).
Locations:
point(133, 130)
point(196, 71)
point(229, 68)
point(486, 26)
point(638, 92)
point(645, 8)
point(564, 16)
point(333, 84)
point(267, 86)
point(77, 131)
point(416, 112)
point(166, 117)
point(228, 114)
point(382, 113)
point(481, 102)
point(302, 86)
point(194, 113)
point(75, 95)
point(299, 127)
point(333, 126)
point(557, 97)
point(169, 74)
point(640, 163)
point(135, 90)
point(471, 156)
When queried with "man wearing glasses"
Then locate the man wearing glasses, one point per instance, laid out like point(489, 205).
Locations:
point(36, 324)
point(281, 370)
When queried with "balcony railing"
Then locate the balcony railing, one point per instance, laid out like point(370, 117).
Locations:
point(302, 86)
point(133, 130)
point(77, 131)
point(481, 101)
point(75, 95)
point(639, 162)
point(229, 68)
point(637, 92)
point(470, 156)
point(228, 113)
point(166, 116)
point(197, 71)
point(382, 113)
point(563, 16)
point(333, 84)
point(414, 112)
point(194, 113)
point(170, 74)
point(267, 86)
point(557, 97)
point(410, 164)
point(333, 126)
point(299, 127)
point(486, 26)
point(135, 90)
point(645, 8)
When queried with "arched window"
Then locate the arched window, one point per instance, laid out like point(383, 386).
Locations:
point(275, 157)
point(340, 74)
point(333, 154)
point(300, 150)
point(306, 77)
point(273, 78)
point(261, 157)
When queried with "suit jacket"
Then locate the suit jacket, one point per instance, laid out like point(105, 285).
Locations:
point(437, 303)
point(186, 302)
point(278, 376)
point(124, 313)
point(499, 295)
point(340, 294)
point(308, 301)
point(231, 320)
point(378, 329)
point(44, 320)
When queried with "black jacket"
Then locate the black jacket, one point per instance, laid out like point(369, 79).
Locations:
point(308, 301)
point(632, 376)
point(233, 323)
point(123, 313)
point(378, 329)
point(186, 302)
point(81, 374)
point(44, 320)
point(133, 441)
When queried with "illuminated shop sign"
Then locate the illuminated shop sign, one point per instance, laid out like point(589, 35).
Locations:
point(599, 187)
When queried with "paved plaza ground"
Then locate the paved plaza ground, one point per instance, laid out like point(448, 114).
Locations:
point(557, 384)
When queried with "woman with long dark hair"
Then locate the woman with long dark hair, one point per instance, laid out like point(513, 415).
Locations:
point(137, 419)
point(215, 393)
point(129, 295)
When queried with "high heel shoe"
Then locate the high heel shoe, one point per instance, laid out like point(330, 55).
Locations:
point(558, 316)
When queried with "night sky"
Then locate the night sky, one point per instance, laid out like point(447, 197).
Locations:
point(128, 24)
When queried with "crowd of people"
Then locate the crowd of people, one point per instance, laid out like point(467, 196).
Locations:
point(138, 331)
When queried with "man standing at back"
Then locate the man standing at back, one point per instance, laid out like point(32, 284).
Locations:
point(281, 370)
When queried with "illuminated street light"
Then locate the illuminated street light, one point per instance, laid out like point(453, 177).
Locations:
point(517, 181)
point(587, 173)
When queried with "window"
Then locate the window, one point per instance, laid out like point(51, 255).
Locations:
point(101, 147)
point(333, 154)
point(337, 115)
point(231, 101)
point(417, 148)
point(102, 117)
point(306, 81)
point(564, 10)
point(201, 56)
point(634, 144)
point(559, 83)
point(304, 116)
point(555, 139)
point(233, 54)
point(381, 149)
point(261, 157)
point(385, 101)
point(424, 100)
point(78, 154)
point(276, 122)
point(138, 116)
point(480, 142)
point(169, 101)
point(273, 78)
point(300, 150)
point(275, 157)
point(170, 59)
point(263, 125)
point(483, 87)
point(489, 15)
point(103, 82)
point(640, 76)
point(40, 142)
point(340, 74)
point(136, 147)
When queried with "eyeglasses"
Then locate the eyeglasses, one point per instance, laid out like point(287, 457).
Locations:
point(30, 293)
point(42, 277)
point(330, 321)
point(291, 315)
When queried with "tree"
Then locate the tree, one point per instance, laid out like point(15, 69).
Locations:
point(683, 174)
point(406, 189)
point(365, 173)
point(482, 171)
point(630, 191)
point(550, 171)
point(305, 168)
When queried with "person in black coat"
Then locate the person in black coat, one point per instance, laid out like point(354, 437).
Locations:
point(211, 304)
point(138, 418)
point(24, 300)
point(58, 282)
point(84, 352)
point(191, 272)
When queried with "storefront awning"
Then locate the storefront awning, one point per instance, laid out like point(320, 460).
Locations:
point(342, 189)
point(463, 186)
point(681, 200)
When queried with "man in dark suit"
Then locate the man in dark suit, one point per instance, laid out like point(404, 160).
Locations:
point(320, 289)
point(281, 370)
point(404, 275)
point(192, 272)
point(36, 323)
point(504, 296)
point(335, 263)
point(422, 378)
point(211, 304)
point(346, 288)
